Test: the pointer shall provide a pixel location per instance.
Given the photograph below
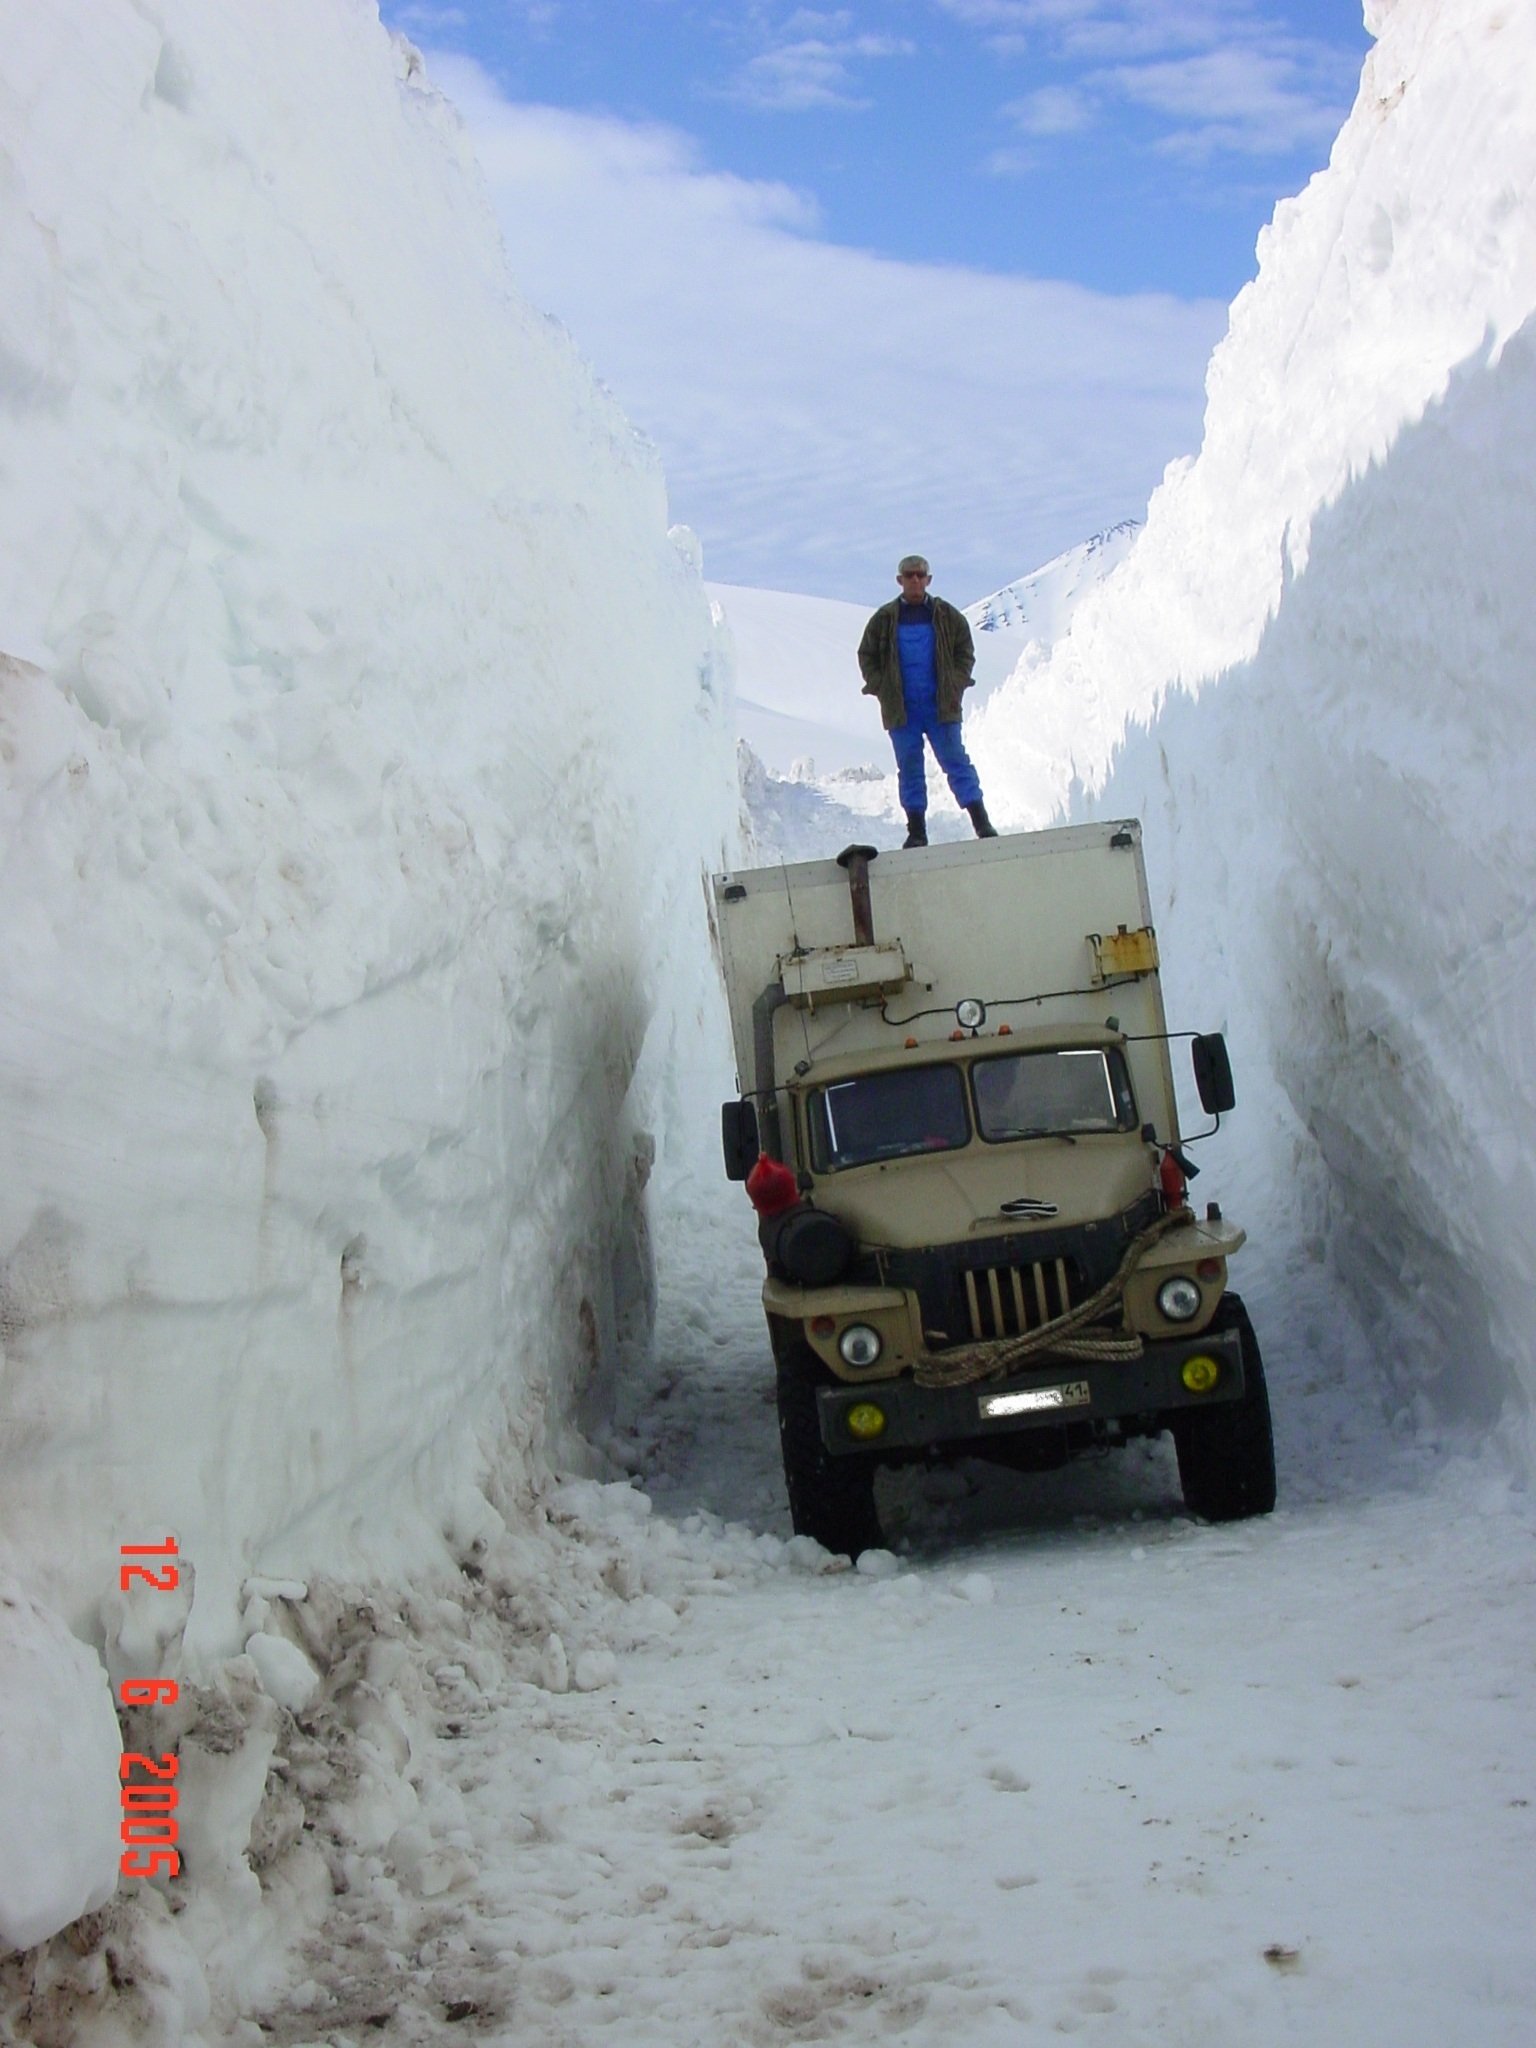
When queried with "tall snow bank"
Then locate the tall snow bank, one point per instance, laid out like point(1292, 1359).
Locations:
point(1413, 252)
point(361, 735)
point(1342, 829)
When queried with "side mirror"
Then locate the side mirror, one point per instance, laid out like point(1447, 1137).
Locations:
point(1213, 1074)
point(738, 1138)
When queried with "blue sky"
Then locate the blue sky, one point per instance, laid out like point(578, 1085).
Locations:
point(754, 219)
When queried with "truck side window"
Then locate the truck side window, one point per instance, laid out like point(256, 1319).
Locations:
point(886, 1116)
point(1067, 1089)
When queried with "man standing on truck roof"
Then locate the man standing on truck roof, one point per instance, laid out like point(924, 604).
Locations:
point(916, 657)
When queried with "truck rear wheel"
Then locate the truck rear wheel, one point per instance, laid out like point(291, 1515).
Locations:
point(832, 1499)
point(1227, 1453)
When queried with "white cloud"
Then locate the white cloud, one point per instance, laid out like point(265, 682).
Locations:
point(1120, 29)
point(588, 166)
point(427, 20)
point(811, 21)
point(1094, 27)
point(1012, 162)
point(989, 13)
point(1224, 76)
point(1260, 102)
point(816, 406)
point(815, 71)
point(1009, 25)
point(1053, 110)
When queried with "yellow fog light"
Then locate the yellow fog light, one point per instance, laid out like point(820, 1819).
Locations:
point(1200, 1373)
point(865, 1421)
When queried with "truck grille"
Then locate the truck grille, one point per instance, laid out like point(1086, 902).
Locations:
point(1008, 1285)
point(1008, 1301)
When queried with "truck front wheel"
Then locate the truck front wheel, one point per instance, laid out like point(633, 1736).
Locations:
point(832, 1499)
point(1227, 1453)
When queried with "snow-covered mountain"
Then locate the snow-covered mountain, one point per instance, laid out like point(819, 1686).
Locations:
point(1038, 608)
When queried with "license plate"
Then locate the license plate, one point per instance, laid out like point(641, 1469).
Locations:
point(1030, 1400)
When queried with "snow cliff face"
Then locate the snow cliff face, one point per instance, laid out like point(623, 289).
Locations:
point(346, 669)
point(1312, 677)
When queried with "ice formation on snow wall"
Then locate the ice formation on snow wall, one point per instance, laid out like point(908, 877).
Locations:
point(345, 662)
point(1312, 677)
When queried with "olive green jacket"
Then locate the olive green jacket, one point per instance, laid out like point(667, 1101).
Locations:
point(954, 656)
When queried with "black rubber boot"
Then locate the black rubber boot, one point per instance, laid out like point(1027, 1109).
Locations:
point(917, 829)
point(977, 812)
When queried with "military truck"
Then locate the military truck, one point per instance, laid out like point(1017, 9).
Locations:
point(958, 1126)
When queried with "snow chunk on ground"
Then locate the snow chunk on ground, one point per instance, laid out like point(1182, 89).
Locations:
point(286, 1673)
point(59, 1746)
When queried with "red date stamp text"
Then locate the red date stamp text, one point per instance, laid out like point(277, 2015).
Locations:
point(149, 1793)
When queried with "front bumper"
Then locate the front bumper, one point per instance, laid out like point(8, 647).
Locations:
point(925, 1418)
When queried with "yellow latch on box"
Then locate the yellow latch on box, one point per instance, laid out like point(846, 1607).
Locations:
point(1123, 952)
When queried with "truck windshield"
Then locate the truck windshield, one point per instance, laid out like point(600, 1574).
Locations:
point(884, 1116)
point(1035, 1093)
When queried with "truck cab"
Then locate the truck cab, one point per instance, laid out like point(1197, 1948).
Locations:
point(958, 1125)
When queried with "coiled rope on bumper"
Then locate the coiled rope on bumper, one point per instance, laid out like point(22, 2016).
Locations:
point(1065, 1338)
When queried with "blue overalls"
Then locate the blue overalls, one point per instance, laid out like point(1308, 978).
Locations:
point(920, 693)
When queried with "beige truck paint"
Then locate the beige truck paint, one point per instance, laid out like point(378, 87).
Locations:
point(1018, 922)
point(1061, 922)
point(961, 1054)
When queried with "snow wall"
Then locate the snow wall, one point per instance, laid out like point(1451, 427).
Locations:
point(1312, 678)
point(347, 672)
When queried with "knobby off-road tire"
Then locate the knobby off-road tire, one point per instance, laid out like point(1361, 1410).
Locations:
point(1227, 1453)
point(832, 1499)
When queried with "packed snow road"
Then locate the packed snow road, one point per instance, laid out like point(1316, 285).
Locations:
point(1071, 1763)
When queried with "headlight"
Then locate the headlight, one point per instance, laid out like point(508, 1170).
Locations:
point(971, 1013)
point(859, 1345)
point(1178, 1300)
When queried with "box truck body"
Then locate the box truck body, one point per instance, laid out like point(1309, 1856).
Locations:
point(958, 1124)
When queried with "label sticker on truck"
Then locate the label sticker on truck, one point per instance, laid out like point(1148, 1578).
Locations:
point(1074, 1394)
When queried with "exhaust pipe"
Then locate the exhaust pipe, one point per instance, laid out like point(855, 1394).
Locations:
point(856, 860)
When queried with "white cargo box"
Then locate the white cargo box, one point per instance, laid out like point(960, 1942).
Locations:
point(1045, 928)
